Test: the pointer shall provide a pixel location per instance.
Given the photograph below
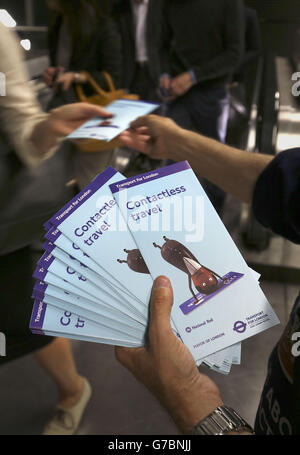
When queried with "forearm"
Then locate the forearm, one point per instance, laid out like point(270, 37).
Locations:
point(44, 139)
point(233, 170)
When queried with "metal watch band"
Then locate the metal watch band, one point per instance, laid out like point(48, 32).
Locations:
point(77, 77)
point(222, 421)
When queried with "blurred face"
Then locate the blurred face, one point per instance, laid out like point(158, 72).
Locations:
point(53, 5)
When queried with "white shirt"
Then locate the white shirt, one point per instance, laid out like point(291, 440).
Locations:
point(140, 12)
point(20, 111)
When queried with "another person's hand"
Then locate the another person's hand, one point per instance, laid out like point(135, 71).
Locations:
point(167, 368)
point(155, 136)
point(67, 79)
point(181, 84)
point(165, 88)
point(49, 75)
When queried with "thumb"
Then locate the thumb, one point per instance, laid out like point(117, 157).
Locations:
point(161, 304)
point(140, 122)
point(90, 110)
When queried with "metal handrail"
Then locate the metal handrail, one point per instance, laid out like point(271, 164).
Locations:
point(30, 28)
point(253, 118)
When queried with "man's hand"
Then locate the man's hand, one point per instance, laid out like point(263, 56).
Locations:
point(167, 368)
point(49, 75)
point(158, 137)
point(67, 79)
point(165, 87)
point(181, 84)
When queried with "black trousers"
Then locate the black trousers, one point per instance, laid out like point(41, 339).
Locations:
point(143, 84)
point(147, 89)
point(16, 285)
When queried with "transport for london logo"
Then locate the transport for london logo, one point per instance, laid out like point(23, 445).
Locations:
point(239, 327)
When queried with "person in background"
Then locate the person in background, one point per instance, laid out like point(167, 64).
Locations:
point(139, 23)
point(253, 45)
point(202, 47)
point(35, 136)
point(241, 90)
point(82, 39)
point(166, 366)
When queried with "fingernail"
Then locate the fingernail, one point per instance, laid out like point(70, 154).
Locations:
point(161, 282)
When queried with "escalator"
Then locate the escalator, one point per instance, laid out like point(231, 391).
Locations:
point(274, 126)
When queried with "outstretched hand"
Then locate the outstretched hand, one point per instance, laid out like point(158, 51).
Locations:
point(64, 120)
point(167, 368)
point(154, 136)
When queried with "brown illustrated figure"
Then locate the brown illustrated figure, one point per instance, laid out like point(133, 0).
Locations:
point(135, 261)
point(204, 279)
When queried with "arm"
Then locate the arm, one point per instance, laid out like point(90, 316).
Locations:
point(109, 54)
point(233, 170)
point(167, 368)
point(272, 184)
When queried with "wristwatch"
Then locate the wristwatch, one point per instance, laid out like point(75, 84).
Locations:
point(77, 78)
point(222, 421)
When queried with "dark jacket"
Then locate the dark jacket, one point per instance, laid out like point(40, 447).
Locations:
point(103, 53)
point(123, 15)
point(276, 204)
point(206, 36)
point(252, 42)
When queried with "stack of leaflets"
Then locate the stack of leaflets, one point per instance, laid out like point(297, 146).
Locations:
point(105, 247)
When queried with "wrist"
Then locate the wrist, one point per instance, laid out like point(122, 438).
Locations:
point(180, 144)
point(41, 137)
point(80, 78)
point(191, 403)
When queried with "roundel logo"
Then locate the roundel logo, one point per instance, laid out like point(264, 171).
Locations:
point(240, 327)
point(188, 330)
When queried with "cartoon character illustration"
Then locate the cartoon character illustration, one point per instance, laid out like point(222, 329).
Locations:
point(205, 280)
point(135, 261)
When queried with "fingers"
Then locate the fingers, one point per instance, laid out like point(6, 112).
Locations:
point(91, 110)
point(161, 305)
point(135, 141)
point(143, 121)
point(81, 112)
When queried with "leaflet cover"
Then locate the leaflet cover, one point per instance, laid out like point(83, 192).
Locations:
point(48, 320)
point(124, 112)
point(87, 309)
point(217, 300)
point(93, 222)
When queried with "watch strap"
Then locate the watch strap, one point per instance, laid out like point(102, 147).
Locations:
point(222, 421)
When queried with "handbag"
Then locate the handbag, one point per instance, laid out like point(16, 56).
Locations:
point(101, 97)
point(28, 198)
